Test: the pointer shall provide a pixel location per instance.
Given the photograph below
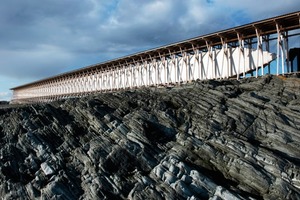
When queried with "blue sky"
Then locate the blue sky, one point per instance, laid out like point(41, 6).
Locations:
point(44, 38)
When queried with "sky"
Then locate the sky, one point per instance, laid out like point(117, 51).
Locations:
point(45, 38)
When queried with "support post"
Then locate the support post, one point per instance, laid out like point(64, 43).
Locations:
point(241, 55)
point(286, 48)
point(210, 60)
point(259, 62)
point(279, 49)
point(225, 54)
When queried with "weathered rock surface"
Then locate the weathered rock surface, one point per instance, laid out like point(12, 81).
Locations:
point(206, 140)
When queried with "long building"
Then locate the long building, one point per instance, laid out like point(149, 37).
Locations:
point(253, 49)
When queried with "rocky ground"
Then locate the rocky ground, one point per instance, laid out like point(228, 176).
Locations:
point(206, 140)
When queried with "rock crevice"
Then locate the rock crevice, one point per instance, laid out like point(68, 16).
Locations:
point(221, 139)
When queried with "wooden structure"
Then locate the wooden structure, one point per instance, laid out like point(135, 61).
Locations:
point(225, 54)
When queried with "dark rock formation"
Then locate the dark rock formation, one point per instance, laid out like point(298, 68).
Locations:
point(206, 140)
point(3, 103)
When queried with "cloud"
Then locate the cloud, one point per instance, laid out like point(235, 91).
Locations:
point(5, 84)
point(41, 61)
point(5, 96)
point(43, 38)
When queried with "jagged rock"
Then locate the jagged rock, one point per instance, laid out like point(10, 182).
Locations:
point(216, 139)
point(47, 169)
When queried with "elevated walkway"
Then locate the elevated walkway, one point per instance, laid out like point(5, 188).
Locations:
point(257, 49)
